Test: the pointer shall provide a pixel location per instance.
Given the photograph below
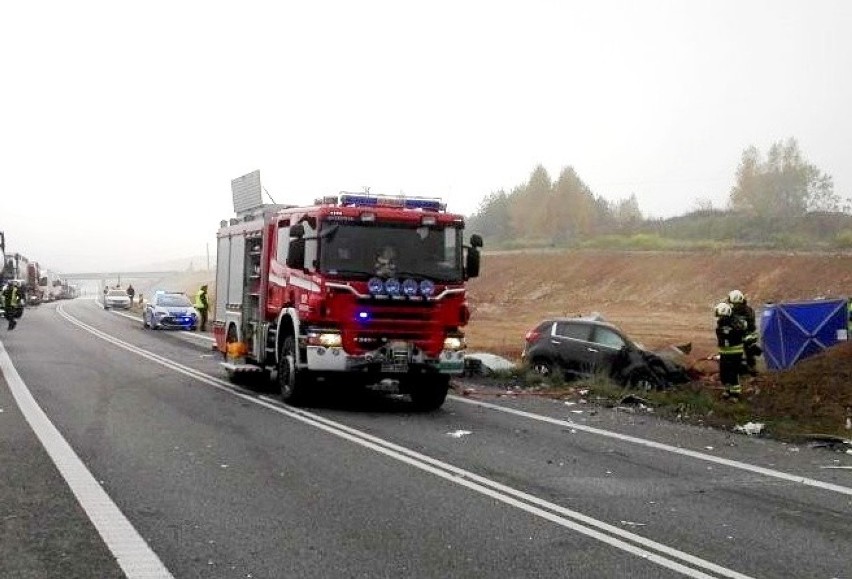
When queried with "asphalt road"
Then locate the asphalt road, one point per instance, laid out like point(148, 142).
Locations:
point(206, 480)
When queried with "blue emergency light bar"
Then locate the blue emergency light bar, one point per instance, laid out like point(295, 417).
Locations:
point(364, 200)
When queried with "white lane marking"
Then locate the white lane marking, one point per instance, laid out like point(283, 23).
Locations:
point(552, 512)
point(133, 554)
point(194, 335)
point(666, 447)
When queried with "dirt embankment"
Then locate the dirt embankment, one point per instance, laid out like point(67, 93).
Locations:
point(667, 298)
point(658, 298)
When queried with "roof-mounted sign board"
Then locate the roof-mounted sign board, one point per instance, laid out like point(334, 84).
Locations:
point(247, 193)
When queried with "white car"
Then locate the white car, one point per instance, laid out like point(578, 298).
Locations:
point(117, 298)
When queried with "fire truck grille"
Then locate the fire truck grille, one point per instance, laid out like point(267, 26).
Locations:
point(373, 340)
point(407, 316)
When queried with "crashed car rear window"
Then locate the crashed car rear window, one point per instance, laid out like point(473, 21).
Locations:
point(573, 330)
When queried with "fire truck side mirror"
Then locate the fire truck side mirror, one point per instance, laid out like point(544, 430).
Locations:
point(471, 268)
point(296, 254)
point(297, 231)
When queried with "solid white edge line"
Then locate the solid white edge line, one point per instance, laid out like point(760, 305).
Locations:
point(130, 550)
point(665, 447)
point(181, 332)
point(444, 470)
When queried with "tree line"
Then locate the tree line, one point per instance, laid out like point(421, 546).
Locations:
point(779, 199)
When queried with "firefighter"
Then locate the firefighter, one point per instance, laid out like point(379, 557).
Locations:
point(11, 303)
point(745, 312)
point(202, 305)
point(130, 293)
point(385, 265)
point(730, 331)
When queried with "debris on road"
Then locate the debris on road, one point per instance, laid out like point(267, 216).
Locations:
point(632, 524)
point(485, 364)
point(829, 442)
point(459, 433)
point(750, 428)
point(635, 400)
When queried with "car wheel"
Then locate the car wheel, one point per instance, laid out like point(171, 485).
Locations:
point(145, 321)
point(291, 381)
point(542, 367)
point(642, 379)
point(429, 392)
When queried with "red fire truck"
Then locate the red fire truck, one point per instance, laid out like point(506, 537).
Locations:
point(359, 288)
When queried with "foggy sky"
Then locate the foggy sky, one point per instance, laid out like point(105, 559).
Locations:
point(123, 124)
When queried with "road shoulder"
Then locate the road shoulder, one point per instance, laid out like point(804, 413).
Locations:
point(44, 532)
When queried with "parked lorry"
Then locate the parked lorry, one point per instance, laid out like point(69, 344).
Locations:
point(359, 288)
point(34, 295)
point(2, 258)
point(14, 270)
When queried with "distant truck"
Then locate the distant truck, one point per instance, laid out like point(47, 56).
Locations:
point(357, 287)
point(33, 293)
point(17, 269)
point(2, 258)
point(51, 286)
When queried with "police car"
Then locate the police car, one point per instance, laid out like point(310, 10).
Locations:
point(170, 310)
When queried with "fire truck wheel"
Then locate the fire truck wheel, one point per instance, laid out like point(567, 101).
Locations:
point(291, 382)
point(429, 393)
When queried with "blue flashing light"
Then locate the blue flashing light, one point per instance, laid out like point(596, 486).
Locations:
point(409, 287)
point(363, 200)
point(363, 316)
point(375, 286)
point(392, 286)
point(427, 288)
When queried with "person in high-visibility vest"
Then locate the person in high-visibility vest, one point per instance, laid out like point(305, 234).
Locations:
point(202, 305)
point(730, 331)
point(11, 303)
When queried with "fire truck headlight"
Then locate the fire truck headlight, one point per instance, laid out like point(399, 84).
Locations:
point(409, 287)
point(330, 340)
point(453, 343)
point(392, 286)
point(376, 286)
point(427, 288)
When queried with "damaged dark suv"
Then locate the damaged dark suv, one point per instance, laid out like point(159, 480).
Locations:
point(582, 347)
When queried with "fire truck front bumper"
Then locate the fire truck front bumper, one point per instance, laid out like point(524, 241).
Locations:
point(390, 360)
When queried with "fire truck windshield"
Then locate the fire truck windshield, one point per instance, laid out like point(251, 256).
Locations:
point(388, 250)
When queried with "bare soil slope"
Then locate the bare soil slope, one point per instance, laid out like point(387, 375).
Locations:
point(816, 391)
point(659, 298)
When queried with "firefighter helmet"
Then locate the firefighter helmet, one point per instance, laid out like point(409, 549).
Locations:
point(736, 297)
point(723, 309)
